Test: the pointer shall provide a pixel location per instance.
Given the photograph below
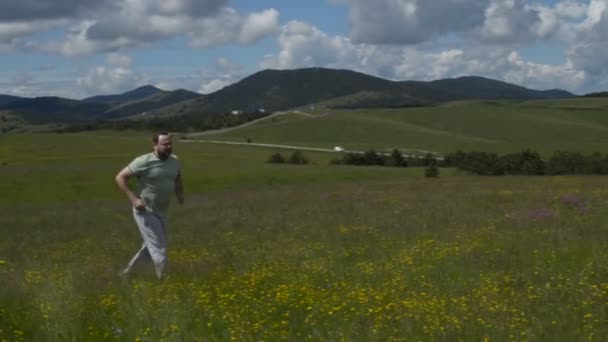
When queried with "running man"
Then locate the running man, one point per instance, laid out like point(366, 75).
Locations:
point(159, 176)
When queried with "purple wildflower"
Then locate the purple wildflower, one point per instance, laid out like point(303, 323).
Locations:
point(576, 202)
point(542, 213)
point(570, 199)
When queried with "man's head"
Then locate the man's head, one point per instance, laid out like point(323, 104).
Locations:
point(161, 143)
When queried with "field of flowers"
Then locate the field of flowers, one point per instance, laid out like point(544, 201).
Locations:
point(459, 258)
point(315, 252)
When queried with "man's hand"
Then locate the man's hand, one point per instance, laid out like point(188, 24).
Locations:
point(122, 180)
point(139, 204)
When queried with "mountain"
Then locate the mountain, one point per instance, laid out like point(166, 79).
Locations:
point(598, 94)
point(285, 89)
point(272, 90)
point(41, 110)
point(7, 99)
point(152, 102)
point(135, 94)
point(481, 88)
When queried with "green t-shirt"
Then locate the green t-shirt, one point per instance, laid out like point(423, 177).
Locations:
point(156, 180)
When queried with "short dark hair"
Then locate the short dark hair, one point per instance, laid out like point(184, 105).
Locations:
point(158, 134)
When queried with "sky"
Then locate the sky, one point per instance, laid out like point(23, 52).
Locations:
point(81, 48)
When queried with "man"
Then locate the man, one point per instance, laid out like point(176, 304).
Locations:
point(159, 176)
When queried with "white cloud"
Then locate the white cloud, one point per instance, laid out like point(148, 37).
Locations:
point(258, 25)
point(116, 76)
point(205, 23)
point(30, 85)
point(228, 27)
point(395, 39)
point(571, 9)
point(408, 22)
point(33, 10)
point(513, 21)
point(224, 74)
point(412, 21)
point(12, 33)
point(107, 26)
point(303, 45)
point(214, 85)
point(596, 11)
point(587, 51)
point(543, 76)
point(77, 43)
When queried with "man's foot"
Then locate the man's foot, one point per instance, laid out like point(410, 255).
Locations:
point(124, 273)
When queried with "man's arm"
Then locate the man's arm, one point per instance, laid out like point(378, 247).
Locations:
point(122, 180)
point(179, 188)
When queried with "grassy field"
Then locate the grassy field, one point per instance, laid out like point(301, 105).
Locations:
point(279, 252)
point(570, 125)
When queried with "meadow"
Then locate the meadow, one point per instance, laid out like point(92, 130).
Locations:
point(296, 252)
point(491, 126)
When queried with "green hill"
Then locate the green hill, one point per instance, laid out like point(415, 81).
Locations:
point(45, 110)
point(284, 89)
point(135, 94)
point(8, 99)
point(487, 126)
point(150, 103)
point(481, 88)
point(270, 90)
point(598, 94)
point(276, 90)
point(41, 110)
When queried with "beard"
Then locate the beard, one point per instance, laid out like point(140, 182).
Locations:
point(165, 154)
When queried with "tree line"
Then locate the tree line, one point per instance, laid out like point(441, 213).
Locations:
point(182, 123)
point(529, 162)
point(525, 162)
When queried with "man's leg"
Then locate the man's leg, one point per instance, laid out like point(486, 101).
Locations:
point(152, 229)
point(141, 254)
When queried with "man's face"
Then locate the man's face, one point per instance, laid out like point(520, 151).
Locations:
point(163, 147)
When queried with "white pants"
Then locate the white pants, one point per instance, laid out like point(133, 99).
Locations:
point(152, 229)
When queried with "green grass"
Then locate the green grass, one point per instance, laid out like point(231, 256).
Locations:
point(325, 253)
point(572, 125)
point(66, 167)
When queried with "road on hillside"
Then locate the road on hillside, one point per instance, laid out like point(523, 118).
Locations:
point(290, 147)
point(229, 129)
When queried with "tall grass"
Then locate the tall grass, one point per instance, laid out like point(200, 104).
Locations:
point(403, 258)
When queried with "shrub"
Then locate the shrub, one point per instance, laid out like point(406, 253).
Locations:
point(276, 158)
point(396, 159)
point(354, 159)
point(568, 163)
point(297, 157)
point(429, 160)
point(527, 162)
point(373, 158)
point(599, 164)
point(431, 171)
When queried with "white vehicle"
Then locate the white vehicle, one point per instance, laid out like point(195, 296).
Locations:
point(338, 148)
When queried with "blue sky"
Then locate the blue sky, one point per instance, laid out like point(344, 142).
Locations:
point(80, 48)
